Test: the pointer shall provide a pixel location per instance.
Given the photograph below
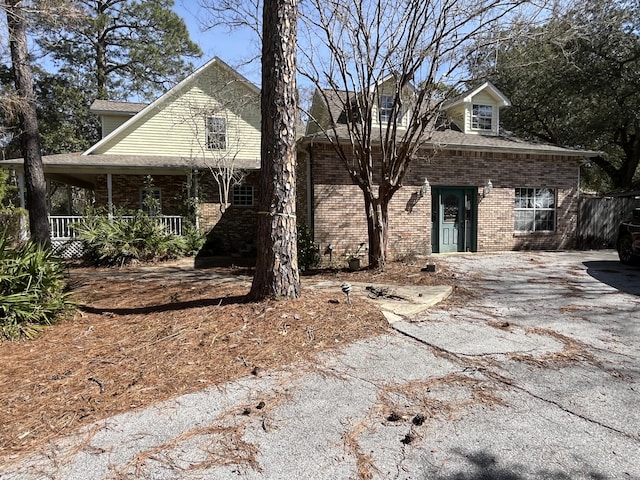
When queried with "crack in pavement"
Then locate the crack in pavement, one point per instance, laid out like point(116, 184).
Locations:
point(459, 358)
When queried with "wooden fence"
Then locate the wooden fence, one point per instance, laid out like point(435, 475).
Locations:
point(599, 217)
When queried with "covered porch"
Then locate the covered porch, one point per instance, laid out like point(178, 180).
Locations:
point(118, 185)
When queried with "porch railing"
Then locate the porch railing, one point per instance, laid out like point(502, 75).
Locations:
point(60, 225)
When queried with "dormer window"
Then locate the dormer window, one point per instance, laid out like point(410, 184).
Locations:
point(482, 117)
point(386, 107)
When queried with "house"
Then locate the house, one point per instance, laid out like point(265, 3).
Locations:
point(186, 151)
point(472, 188)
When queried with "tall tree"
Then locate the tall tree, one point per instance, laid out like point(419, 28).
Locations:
point(576, 82)
point(25, 106)
point(277, 260)
point(129, 48)
point(361, 52)
point(62, 103)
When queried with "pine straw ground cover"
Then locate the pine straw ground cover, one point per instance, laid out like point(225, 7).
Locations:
point(142, 337)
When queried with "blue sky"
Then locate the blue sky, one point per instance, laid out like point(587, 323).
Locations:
point(233, 48)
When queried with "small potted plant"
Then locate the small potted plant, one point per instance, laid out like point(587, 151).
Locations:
point(354, 263)
point(354, 258)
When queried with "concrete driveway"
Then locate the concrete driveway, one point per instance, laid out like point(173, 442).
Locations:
point(530, 370)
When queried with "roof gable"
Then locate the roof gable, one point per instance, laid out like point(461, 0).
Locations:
point(165, 100)
point(486, 88)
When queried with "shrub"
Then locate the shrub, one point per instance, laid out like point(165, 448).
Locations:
point(308, 254)
point(122, 240)
point(192, 238)
point(32, 289)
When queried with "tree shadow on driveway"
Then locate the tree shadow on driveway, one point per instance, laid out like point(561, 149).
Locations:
point(484, 466)
point(625, 278)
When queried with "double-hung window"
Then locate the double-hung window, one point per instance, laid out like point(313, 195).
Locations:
point(535, 210)
point(216, 133)
point(242, 195)
point(482, 117)
point(385, 108)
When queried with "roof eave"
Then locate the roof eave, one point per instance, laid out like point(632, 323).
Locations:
point(524, 150)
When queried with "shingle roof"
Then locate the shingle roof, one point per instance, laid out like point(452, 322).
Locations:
point(451, 139)
point(109, 106)
point(448, 138)
point(128, 162)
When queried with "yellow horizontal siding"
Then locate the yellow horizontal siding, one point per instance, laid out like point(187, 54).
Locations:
point(111, 122)
point(177, 126)
point(482, 98)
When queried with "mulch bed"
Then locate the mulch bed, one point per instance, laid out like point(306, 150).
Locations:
point(134, 343)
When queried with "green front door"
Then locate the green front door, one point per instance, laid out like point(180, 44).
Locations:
point(454, 219)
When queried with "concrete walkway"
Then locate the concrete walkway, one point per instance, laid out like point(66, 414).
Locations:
point(535, 376)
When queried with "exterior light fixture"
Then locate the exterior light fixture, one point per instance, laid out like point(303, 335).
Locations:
point(486, 190)
point(424, 188)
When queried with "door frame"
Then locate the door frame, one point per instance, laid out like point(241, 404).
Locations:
point(469, 227)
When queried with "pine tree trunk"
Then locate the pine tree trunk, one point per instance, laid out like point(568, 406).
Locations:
point(276, 262)
point(101, 53)
point(30, 138)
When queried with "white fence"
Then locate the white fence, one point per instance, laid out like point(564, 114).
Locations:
point(61, 225)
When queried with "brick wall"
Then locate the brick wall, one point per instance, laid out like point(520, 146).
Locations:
point(340, 216)
point(126, 192)
point(232, 231)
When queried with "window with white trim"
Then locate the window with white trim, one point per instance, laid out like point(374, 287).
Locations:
point(385, 108)
point(535, 210)
point(216, 133)
point(482, 117)
point(242, 195)
point(151, 200)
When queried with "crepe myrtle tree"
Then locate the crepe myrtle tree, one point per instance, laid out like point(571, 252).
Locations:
point(215, 129)
point(353, 49)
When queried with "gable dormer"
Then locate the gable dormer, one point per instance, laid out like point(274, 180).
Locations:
point(385, 92)
point(477, 112)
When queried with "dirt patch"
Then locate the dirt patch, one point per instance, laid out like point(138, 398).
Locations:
point(144, 335)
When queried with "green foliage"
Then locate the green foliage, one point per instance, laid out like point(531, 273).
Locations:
point(125, 239)
point(7, 191)
point(127, 48)
point(308, 254)
point(66, 124)
point(32, 289)
point(192, 238)
point(575, 82)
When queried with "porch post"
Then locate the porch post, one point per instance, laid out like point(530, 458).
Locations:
point(110, 195)
point(21, 189)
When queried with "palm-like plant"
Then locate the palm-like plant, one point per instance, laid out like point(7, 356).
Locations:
point(33, 291)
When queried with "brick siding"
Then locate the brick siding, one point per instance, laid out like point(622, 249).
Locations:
point(126, 192)
point(340, 220)
point(233, 231)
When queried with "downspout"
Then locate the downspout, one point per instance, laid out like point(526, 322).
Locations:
point(578, 234)
point(310, 218)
